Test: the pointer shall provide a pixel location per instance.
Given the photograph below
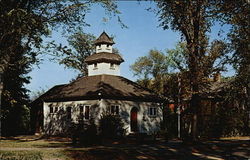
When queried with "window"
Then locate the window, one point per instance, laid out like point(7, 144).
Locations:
point(84, 110)
point(112, 66)
point(152, 111)
point(50, 109)
point(68, 111)
point(99, 47)
point(95, 65)
point(108, 47)
point(114, 109)
point(53, 110)
point(56, 109)
point(81, 109)
point(86, 113)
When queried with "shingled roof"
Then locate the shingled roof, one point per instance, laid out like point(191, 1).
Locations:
point(104, 57)
point(104, 39)
point(97, 87)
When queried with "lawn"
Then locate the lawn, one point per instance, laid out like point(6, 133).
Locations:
point(35, 148)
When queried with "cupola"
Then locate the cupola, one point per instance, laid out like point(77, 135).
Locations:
point(104, 61)
point(104, 43)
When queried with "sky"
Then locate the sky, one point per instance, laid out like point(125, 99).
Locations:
point(143, 33)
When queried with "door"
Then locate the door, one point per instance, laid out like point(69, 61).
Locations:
point(133, 119)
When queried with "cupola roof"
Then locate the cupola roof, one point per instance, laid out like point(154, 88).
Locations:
point(104, 57)
point(104, 39)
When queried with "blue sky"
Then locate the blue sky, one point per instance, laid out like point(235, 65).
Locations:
point(142, 35)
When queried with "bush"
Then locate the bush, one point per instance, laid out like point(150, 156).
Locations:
point(164, 134)
point(85, 134)
point(89, 135)
point(111, 127)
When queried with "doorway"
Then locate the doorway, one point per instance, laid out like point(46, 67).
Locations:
point(133, 119)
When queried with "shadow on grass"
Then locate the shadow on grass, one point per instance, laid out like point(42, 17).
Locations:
point(161, 151)
point(97, 154)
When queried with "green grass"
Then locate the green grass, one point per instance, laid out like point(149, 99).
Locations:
point(20, 155)
point(31, 144)
point(32, 149)
point(45, 149)
point(33, 155)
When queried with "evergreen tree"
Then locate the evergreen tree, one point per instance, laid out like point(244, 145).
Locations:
point(15, 113)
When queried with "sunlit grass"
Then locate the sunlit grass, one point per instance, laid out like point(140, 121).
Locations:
point(30, 144)
point(33, 155)
point(236, 138)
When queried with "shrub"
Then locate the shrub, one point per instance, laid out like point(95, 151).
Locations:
point(111, 126)
point(89, 135)
point(85, 134)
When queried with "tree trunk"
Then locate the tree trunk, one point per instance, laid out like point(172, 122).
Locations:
point(194, 80)
point(248, 106)
point(1, 89)
point(195, 104)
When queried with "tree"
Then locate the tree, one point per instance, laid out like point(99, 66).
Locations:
point(193, 20)
point(24, 23)
point(237, 16)
point(151, 70)
point(15, 113)
point(177, 57)
point(83, 46)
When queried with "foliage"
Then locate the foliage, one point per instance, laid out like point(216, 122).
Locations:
point(151, 65)
point(151, 70)
point(15, 114)
point(238, 18)
point(89, 136)
point(25, 22)
point(84, 133)
point(170, 123)
point(193, 20)
point(233, 112)
point(111, 126)
point(177, 57)
point(83, 46)
point(23, 25)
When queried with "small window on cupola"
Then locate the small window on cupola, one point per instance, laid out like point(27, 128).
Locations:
point(112, 66)
point(108, 47)
point(95, 65)
point(99, 47)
